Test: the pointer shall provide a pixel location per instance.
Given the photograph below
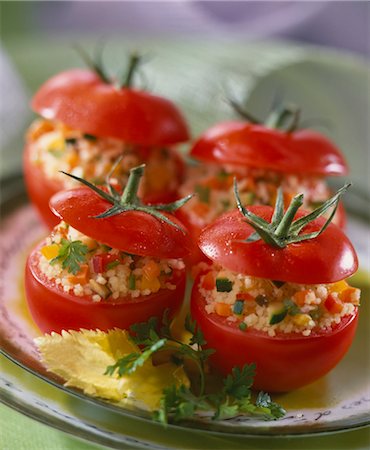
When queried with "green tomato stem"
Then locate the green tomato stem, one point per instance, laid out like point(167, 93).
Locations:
point(129, 195)
point(132, 67)
point(282, 229)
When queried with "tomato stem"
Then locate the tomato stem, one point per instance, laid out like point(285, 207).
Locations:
point(134, 62)
point(283, 228)
point(95, 65)
point(129, 195)
point(242, 112)
point(285, 118)
point(129, 200)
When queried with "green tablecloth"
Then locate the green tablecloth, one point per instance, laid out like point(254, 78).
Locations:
point(18, 432)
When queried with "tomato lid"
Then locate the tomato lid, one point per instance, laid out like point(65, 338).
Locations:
point(245, 144)
point(83, 101)
point(326, 258)
point(133, 232)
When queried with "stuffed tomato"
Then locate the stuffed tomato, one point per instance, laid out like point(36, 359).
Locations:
point(277, 294)
point(263, 157)
point(111, 261)
point(87, 122)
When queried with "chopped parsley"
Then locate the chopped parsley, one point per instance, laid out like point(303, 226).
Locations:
point(90, 137)
point(112, 264)
point(182, 402)
point(71, 255)
point(203, 193)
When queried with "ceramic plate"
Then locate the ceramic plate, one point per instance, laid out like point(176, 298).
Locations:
point(330, 404)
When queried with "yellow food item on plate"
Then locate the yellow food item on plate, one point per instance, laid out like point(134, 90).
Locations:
point(81, 359)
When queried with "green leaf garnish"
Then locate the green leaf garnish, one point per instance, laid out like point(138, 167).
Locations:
point(71, 254)
point(129, 363)
point(182, 402)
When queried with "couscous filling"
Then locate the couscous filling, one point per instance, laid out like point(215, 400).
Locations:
point(85, 267)
point(276, 307)
point(55, 148)
point(215, 193)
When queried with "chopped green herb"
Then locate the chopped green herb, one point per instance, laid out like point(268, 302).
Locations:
point(238, 307)
point(291, 307)
point(132, 282)
point(248, 198)
point(278, 316)
point(90, 137)
point(112, 265)
point(203, 193)
point(70, 141)
point(56, 152)
point(223, 285)
point(222, 175)
point(242, 326)
point(316, 313)
point(71, 254)
point(129, 363)
point(261, 300)
point(225, 204)
point(182, 402)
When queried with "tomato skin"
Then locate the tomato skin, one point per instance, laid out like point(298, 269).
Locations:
point(283, 363)
point(328, 258)
point(239, 143)
point(81, 100)
point(40, 188)
point(53, 309)
point(132, 231)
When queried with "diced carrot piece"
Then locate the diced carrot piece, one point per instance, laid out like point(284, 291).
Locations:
point(81, 277)
point(212, 183)
point(223, 309)
point(153, 285)
point(300, 297)
point(333, 305)
point(244, 296)
point(346, 295)
point(39, 128)
point(151, 270)
point(50, 251)
point(72, 159)
point(208, 282)
point(157, 176)
point(200, 208)
point(339, 286)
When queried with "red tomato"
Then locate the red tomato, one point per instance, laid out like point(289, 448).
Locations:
point(283, 362)
point(132, 231)
point(55, 310)
point(81, 100)
point(40, 188)
point(303, 152)
point(326, 259)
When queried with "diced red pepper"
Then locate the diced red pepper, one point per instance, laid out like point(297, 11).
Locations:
point(244, 296)
point(99, 263)
point(208, 282)
point(333, 305)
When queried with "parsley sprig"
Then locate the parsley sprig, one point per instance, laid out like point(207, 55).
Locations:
point(71, 254)
point(182, 402)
